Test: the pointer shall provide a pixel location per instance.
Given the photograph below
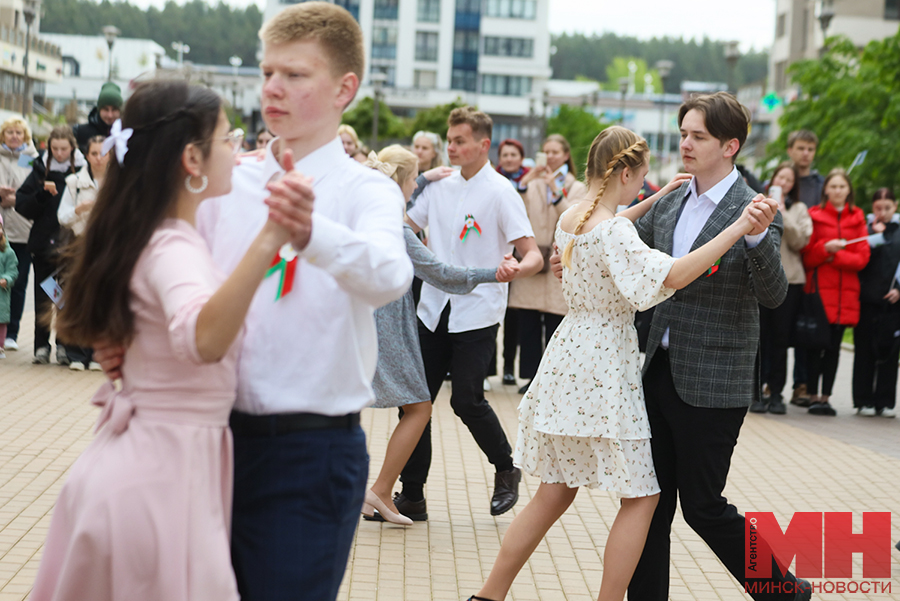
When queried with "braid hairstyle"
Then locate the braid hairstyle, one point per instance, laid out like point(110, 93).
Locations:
point(612, 150)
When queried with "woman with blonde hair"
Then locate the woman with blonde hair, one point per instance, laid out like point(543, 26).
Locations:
point(429, 149)
point(15, 143)
point(400, 373)
point(583, 421)
point(348, 138)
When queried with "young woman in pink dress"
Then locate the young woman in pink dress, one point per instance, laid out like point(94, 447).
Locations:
point(145, 511)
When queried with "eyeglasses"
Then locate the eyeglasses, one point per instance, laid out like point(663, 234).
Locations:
point(236, 139)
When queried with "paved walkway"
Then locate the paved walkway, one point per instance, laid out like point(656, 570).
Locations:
point(782, 464)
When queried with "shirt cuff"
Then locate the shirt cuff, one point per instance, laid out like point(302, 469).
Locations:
point(322, 240)
point(753, 241)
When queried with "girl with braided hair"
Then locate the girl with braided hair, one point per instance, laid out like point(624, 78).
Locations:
point(583, 421)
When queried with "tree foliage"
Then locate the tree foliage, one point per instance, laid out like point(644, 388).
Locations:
point(621, 67)
point(589, 57)
point(579, 127)
point(214, 33)
point(434, 119)
point(362, 116)
point(851, 100)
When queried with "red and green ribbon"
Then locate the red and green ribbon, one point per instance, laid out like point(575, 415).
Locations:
point(714, 268)
point(470, 225)
point(285, 264)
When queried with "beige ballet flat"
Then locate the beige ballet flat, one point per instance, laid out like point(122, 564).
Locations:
point(373, 502)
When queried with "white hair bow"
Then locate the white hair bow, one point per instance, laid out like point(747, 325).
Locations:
point(118, 137)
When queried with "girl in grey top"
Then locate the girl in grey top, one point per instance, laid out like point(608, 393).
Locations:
point(400, 374)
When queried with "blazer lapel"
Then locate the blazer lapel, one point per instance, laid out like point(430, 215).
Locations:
point(723, 215)
point(669, 218)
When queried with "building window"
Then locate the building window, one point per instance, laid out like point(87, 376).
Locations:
point(426, 46)
point(429, 11)
point(505, 85)
point(518, 47)
point(384, 42)
point(780, 81)
point(465, 50)
point(468, 6)
point(389, 72)
point(464, 80)
point(892, 9)
point(804, 32)
point(780, 25)
point(386, 9)
point(352, 7)
point(511, 9)
point(502, 131)
point(426, 80)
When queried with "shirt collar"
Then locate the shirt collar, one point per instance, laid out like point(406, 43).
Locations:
point(717, 192)
point(315, 165)
point(486, 169)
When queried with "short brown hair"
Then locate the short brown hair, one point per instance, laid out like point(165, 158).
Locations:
point(330, 25)
point(725, 118)
point(481, 123)
point(802, 135)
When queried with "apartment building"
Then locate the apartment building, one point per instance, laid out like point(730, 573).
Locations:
point(491, 53)
point(44, 58)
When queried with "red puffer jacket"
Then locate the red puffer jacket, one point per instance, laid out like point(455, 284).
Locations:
point(837, 273)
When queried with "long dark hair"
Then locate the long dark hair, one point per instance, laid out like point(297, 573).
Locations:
point(791, 197)
point(133, 201)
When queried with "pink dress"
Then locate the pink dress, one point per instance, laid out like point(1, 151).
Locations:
point(146, 510)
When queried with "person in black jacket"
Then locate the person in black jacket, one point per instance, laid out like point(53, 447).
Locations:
point(38, 199)
point(101, 118)
point(876, 338)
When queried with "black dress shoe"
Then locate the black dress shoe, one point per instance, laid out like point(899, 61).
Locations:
point(417, 511)
point(777, 407)
point(524, 388)
point(822, 409)
point(509, 380)
point(759, 406)
point(506, 491)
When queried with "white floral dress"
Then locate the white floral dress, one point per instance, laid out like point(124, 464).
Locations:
point(583, 421)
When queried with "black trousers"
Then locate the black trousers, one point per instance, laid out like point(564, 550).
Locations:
point(823, 363)
point(535, 330)
point(467, 356)
point(510, 340)
point(775, 327)
point(17, 294)
point(44, 266)
point(692, 448)
point(874, 375)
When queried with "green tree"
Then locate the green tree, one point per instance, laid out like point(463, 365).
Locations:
point(621, 66)
point(579, 127)
point(851, 100)
point(434, 119)
point(362, 116)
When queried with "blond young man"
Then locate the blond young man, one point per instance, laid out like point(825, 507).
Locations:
point(308, 358)
point(475, 218)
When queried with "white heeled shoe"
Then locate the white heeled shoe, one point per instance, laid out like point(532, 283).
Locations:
point(373, 502)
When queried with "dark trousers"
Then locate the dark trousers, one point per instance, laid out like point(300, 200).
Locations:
point(79, 354)
point(775, 327)
point(535, 330)
point(692, 448)
point(510, 340)
point(466, 355)
point(874, 374)
point(823, 363)
point(44, 267)
point(297, 499)
point(17, 294)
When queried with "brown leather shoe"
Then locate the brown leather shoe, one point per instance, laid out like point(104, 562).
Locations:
point(800, 397)
point(506, 491)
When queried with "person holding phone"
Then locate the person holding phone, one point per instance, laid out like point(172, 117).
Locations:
point(777, 324)
point(550, 189)
point(38, 200)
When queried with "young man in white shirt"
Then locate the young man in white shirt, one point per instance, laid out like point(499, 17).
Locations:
point(309, 352)
point(474, 218)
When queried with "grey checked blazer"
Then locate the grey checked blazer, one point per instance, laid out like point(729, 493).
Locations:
point(714, 321)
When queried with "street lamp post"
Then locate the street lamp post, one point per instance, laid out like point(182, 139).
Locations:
point(235, 63)
point(29, 11)
point(181, 48)
point(110, 32)
point(732, 54)
point(664, 68)
point(623, 89)
point(826, 14)
point(378, 78)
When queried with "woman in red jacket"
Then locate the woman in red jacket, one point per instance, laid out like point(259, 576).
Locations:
point(833, 258)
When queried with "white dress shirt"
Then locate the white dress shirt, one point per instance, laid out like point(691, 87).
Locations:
point(315, 349)
point(697, 211)
point(471, 223)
